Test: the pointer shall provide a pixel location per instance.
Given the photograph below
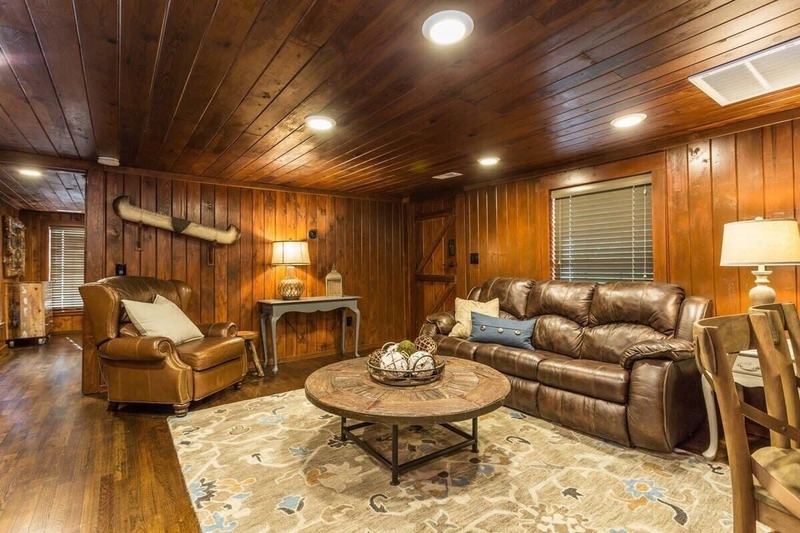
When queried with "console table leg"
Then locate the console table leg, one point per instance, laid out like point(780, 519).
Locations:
point(358, 327)
point(273, 322)
point(475, 435)
point(344, 331)
point(711, 412)
point(343, 435)
point(395, 458)
point(263, 321)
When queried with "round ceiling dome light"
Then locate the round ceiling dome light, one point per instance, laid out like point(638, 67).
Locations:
point(319, 122)
point(447, 27)
point(489, 161)
point(31, 173)
point(626, 121)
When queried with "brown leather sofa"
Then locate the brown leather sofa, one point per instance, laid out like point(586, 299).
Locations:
point(152, 369)
point(613, 360)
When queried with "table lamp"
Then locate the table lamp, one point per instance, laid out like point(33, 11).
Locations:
point(291, 254)
point(759, 243)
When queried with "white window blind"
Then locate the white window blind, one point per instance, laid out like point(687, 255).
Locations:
point(603, 232)
point(66, 266)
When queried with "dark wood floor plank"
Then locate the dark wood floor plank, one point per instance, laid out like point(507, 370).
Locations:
point(67, 464)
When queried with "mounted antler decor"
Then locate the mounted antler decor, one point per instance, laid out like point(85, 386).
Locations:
point(126, 211)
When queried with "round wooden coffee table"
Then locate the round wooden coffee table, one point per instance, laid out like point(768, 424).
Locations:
point(466, 390)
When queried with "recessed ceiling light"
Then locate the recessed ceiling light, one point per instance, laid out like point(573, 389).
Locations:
point(108, 161)
point(447, 27)
point(30, 172)
point(489, 161)
point(319, 122)
point(626, 121)
point(447, 175)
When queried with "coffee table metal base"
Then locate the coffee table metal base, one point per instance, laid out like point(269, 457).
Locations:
point(394, 464)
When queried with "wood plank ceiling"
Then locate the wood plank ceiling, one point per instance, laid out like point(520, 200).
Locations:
point(221, 88)
point(54, 190)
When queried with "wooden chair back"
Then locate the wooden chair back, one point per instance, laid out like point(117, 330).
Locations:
point(777, 367)
point(717, 343)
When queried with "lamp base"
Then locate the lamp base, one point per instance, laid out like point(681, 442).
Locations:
point(762, 293)
point(291, 287)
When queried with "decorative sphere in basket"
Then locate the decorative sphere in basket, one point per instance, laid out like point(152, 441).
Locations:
point(406, 363)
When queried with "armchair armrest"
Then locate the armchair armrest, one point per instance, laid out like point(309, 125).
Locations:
point(218, 329)
point(137, 348)
point(442, 322)
point(669, 349)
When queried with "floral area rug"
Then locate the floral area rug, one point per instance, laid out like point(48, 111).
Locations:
point(276, 464)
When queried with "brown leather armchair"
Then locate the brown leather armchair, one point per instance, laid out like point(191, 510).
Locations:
point(145, 369)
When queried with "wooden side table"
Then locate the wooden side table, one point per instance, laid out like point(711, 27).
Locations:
point(250, 347)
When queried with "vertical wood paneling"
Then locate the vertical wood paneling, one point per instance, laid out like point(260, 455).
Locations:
point(697, 188)
point(365, 239)
point(724, 203)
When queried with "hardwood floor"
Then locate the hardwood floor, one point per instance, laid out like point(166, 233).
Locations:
point(66, 464)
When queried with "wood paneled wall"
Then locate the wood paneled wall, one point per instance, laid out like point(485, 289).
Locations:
point(37, 257)
point(363, 237)
point(697, 188)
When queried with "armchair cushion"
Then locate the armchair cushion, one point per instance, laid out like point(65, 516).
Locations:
point(208, 352)
point(162, 318)
point(669, 349)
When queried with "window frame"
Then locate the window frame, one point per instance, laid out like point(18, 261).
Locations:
point(606, 185)
point(46, 263)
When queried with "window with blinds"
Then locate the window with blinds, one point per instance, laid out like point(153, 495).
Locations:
point(603, 232)
point(66, 266)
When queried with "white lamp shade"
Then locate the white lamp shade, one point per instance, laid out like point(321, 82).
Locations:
point(761, 242)
point(290, 253)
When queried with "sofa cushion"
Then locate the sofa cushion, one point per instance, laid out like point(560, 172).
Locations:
point(508, 332)
point(564, 298)
point(463, 314)
point(518, 362)
point(512, 292)
point(608, 342)
point(655, 305)
point(555, 333)
point(605, 381)
point(208, 352)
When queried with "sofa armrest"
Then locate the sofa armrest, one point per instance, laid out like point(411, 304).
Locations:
point(219, 329)
point(137, 348)
point(668, 349)
point(441, 323)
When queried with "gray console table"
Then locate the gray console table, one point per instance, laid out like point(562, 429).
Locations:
point(274, 309)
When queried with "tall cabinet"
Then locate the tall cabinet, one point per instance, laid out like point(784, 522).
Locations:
point(29, 310)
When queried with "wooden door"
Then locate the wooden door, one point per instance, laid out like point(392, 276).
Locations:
point(435, 266)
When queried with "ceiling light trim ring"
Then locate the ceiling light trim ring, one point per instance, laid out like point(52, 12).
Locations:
point(447, 27)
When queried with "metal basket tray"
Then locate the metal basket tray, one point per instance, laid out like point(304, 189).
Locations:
point(403, 378)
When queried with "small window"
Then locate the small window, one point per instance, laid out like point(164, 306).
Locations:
point(66, 266)
point(603, 232)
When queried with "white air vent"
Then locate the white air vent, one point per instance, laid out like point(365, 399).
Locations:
point(447, 175)
point(764, 72)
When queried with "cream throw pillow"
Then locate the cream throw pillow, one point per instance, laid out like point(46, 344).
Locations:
point(162, 318)
point(464, 309)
